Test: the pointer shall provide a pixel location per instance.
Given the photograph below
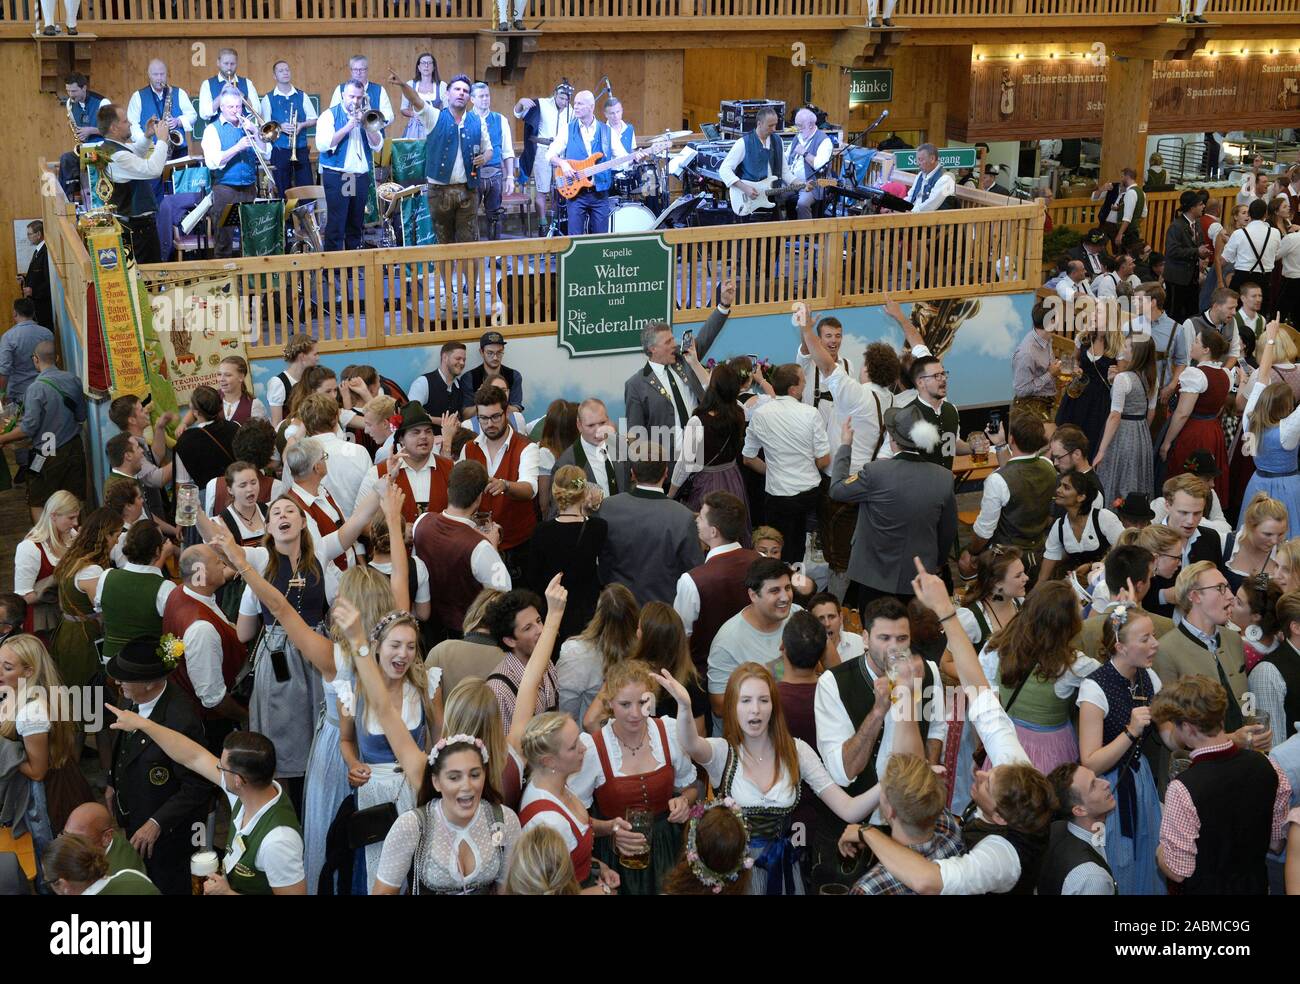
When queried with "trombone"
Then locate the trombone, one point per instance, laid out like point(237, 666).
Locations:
point(269, 132)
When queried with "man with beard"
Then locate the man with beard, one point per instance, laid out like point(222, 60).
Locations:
point(421, 475)
point(492, 347)
point(512, 466)
point(440, 390)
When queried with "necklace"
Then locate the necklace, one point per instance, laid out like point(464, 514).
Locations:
point(248, 520)
point(630, 750)
point(752, 754)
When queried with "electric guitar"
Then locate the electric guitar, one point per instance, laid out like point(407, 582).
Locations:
point(771, 191)
point(569, 185)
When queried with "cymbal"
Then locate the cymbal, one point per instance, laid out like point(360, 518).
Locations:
point(674, 134)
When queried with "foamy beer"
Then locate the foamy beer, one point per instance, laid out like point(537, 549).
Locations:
point(202, 864)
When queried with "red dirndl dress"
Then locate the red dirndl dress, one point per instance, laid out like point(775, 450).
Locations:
point(1203, 432)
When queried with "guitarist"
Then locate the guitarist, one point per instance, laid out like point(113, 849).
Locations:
point(588, 211)
point(753, 159)
point(809, 153)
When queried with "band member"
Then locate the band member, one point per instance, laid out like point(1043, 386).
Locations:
point(621, 134)
point(375, 95)
point(589, 209)
point(428, 83)
point(454, 150)
point(230, 147)
point(933, 184)
point(497, 176)
point(227, 63)
point(809, 154)
point(281, 104)
point(345, 148)
point(151, 102)
point(85, 107)
point(133, 177)
point(758, 156)
point(50, 14)
point(543, 119)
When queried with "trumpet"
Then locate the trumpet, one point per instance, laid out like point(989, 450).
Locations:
point(293, 140)
point(372, 119)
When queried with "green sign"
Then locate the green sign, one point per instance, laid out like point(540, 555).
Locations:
point(261, 228)
point(867, 85)
point(949, 157)
point(611, 288)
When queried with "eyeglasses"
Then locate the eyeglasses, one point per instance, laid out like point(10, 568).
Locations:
point(936, 375)
point(324, 456)
point(491, 418)
point(1178, 557)
point(222, 768)
point(1056, 458)
point(1221, 588)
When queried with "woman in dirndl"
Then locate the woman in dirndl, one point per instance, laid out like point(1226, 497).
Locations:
point(72, 644)
point(1086, 401)
point(761, 767)
point(1114, 726)
point(35, 558)
point(1203, 390)
point(711, 444)
point(1124, 459)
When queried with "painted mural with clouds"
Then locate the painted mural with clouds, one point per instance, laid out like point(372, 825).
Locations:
point(975, 337)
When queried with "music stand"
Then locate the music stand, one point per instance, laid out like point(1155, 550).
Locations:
point(679, 211)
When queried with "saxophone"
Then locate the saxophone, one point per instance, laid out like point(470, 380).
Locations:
point(72, 122)
point(175, 137)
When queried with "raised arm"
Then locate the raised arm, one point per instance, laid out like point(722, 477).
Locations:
point(360, 519)
point(183, 751)
point(811, 343)
point(403, 590)
point(538, 663)
point(696, 747)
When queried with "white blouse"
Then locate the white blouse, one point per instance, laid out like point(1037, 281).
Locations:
point(591, 776)
point(1090, 692)
point(1125, 382)
point(549, 818)
point(579, 674)
point(421, 578)
point(1062, 541)
point(33, 718)
point(258, 411)
point(1194, 380)
point(326, 550)
point(782, 794)
point(27, 564)
point(443, 838)
point(1064, 685)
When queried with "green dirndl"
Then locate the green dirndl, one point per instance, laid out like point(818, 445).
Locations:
point(72, 644)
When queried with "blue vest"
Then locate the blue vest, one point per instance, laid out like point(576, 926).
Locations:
point(760, 163)
point(494, 135)
point(924, 184)
point(338, 156)
point(130, 198)
point(818, 138)
point(575, 150)
point(88, 115)
point(280, 106)
point(242, 169)
point(441, 147)
point(373, 91)
point(627, 140)
point(215, 85)
point(151, 104)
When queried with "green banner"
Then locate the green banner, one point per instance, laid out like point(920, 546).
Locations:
point(261, 228)
point(372, 199)
point(611, 288)
point(949, 157)
point(160, 385)
point(408, 161)
point(417, 224)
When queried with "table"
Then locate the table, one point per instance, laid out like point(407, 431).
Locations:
point(965, 469)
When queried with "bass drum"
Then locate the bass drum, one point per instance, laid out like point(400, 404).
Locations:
point(631, 217)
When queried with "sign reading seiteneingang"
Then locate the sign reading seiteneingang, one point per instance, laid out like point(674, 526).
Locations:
point(611, 288)
point(949, 157)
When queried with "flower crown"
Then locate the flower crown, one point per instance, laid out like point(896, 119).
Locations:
point(386, 621)
point(1119, 615)
point(705, 874)
point(170, 650)
point(441, 744)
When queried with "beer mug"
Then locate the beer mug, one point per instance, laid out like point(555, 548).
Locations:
point(895, 663)
point(979, 447)
point(642, 821)
point(202, 864)
point(187, 504)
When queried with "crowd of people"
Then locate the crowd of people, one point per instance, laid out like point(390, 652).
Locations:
point(358, 638)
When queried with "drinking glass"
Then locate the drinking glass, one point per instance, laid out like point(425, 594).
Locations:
point(642, 821)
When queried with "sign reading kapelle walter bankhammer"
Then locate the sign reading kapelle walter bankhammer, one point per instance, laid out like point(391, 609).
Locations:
point(610, 289)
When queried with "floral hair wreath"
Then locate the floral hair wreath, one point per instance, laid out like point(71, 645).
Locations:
point(386, 621)
point(442, 744)
point(395, 423)
point(577, 485)
point(705, 874)
point(1120, 613)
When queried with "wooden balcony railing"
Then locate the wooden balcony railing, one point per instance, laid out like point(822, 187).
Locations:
point(1162, 206)
point(1228, 10)
point(922, 10)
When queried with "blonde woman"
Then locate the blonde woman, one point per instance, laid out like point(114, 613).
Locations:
point(38, 554)
point(378, 415)
point(569, 543)
point(49, 743)
point(585, 658)
point(1264, 524)
point(1273, 422)
point(541, 865)
point(237, 400)
point(1167, 548)
point(1287, 559)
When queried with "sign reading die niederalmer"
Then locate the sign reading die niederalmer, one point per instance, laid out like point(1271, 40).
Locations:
point(611, 288)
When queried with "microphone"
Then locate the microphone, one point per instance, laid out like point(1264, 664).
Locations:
point(474, 151)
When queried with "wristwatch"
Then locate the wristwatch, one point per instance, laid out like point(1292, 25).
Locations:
point(862, 835)
point(363, 651)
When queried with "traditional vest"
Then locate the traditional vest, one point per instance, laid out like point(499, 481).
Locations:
point(517, 517)
point(130, 604)
point(576, 150)
point(246, 877)
point(1024, 520)
point(439, 476)
point(1287, 661)
point(88, 114)
point(1065, 852)
point(625, 141)
point(720, 582)
point(445, 141)
point(1227, 666)
point(222, 499)
point(493, 121)
point(243, 410)
point(1233, 793)
point(924, 185)
point(182, 611)
point(216, 85)
point(948, 420)
point(818, 139)
point(1029, 849)
point(1108, 203)
point(325, 524)
point(446, 546)
point(129, 882)
point(337, 157)
point(241, 171)
point(760, 162)
point(130, 198)
point(434, 383)
point(151, 104)
point(281, 106)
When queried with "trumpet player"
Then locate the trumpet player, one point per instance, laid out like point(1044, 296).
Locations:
point(376, 97)
point(169, 105)
point(134, 167)
point(294, 110)
point(227, 74)
point(346, 146)
point(230, 150)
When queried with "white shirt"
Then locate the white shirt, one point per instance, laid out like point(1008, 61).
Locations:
point(275, 391)
point(335, 514)
point(553, 120)
point(1104, 285)
point(996, 495)
point(687, 601)
point(793, 172)
point(160, 599)
point(865, 405)
point(212, 152)
point(1234, 343)
point(936, 196)
point(596, 457)
point(182, 111)
point(591, 776)
point(1289, 253)
point(308, 105)
point(727, 169)
point(746, 792)
point(1067, 289)
point(421, 586)
point(1258, 237)
point(256, 411)
point(587, 131)
point(507, 144)
point(529, 463)
point(203, 655)
point(429, 117)
point(27, 564)
point(325, 550)
point(419, 479)
point(207, 105)
point(354, 159)
point(385, 104)
point(792, 436)
point(345, 470)
point(280, 855)
point(579, 675)
point(1061, 540)
point(549, 818)
point(140, 163)
point(1125, 205)
point(484, 563)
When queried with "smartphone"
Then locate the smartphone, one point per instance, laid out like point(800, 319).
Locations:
point(995, 422)
point(280, 666)
point(688, 336)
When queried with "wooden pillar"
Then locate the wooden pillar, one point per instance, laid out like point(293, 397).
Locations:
point(936, 125)
point(830, 89)
point(1128, 105)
